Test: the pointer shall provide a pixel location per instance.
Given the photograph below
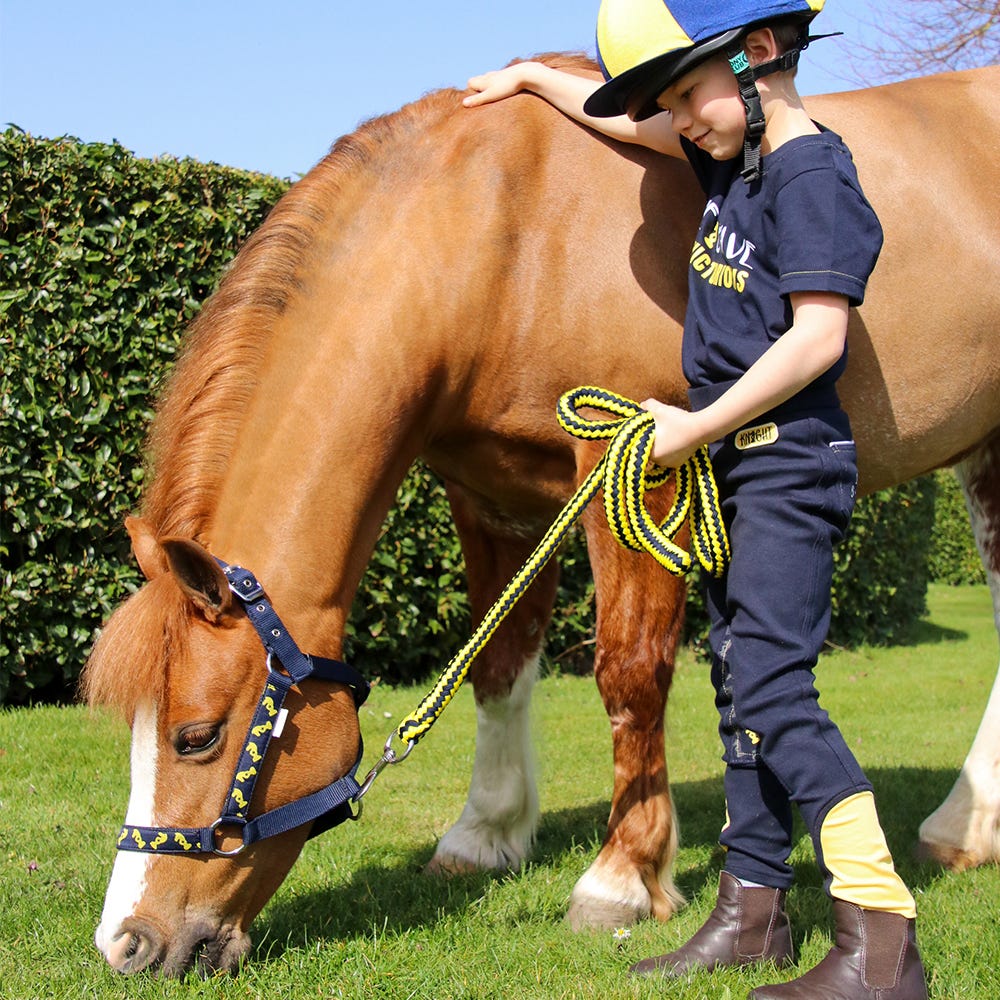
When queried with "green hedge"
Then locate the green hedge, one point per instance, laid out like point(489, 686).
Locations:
point(953, 557)
point(881, 569)
point(105, 258)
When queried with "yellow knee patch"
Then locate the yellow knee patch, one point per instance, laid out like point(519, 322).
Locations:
point(858, 858)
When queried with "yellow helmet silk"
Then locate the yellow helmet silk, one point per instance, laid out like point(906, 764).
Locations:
point(631, 32)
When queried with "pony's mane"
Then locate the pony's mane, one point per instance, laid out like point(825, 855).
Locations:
point(208, 392)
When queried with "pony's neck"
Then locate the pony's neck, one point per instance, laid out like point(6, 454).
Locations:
point(313, 473)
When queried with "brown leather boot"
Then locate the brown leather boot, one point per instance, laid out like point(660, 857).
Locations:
point(874, 957)
point(747, 926)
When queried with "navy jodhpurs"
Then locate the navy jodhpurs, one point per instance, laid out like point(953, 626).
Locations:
point(785, 503)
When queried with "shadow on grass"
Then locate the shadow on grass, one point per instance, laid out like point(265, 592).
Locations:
point(400, 897)
point(923, 632)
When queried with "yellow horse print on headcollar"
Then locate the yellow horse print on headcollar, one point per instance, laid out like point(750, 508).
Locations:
point(160, 838)
point(182, 841)
point(246, 775)
point(264, 727)
point(268, 704)
point(137, 837)
point(255, 754)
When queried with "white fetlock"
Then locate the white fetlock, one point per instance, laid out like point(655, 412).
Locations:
point(964, 831)
point(612, 893)
point(497, 826)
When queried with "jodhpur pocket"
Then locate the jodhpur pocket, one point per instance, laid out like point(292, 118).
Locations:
point(845, 476)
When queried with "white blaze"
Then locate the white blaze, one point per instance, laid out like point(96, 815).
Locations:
point(128, 878)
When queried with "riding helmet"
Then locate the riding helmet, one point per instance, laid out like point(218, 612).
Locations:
point(645, 45)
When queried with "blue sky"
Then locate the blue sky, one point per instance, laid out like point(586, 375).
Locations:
point(269, 85)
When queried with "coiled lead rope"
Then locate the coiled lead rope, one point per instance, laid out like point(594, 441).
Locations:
point(624, 473)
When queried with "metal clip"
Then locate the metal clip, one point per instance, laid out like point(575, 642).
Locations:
point(388, 757)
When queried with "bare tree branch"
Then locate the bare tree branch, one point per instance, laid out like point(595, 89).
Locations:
point(928, 36)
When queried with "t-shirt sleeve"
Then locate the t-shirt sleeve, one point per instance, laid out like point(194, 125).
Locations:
point(829, 237)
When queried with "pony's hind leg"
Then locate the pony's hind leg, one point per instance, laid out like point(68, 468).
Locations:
point(964, 831)
point(639, 617)
point(497, 825)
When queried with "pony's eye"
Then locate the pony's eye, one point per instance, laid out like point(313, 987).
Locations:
point(196, 739)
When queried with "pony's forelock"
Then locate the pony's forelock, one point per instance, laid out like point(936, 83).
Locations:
point(129, 664)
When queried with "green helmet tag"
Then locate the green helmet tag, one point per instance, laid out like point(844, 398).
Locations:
point(739, 62)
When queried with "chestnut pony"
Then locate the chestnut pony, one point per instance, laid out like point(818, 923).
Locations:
point(430, 289)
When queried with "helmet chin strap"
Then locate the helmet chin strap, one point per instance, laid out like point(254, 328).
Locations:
point(746, 79)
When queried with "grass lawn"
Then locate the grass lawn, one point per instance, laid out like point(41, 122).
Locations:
point(357, 918)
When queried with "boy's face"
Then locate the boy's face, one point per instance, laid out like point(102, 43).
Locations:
point(705, 107)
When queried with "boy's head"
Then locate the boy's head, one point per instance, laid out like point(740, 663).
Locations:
point(644, 46)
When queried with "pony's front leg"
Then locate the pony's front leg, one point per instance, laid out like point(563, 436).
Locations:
point(640, 610)
point(964, 831)
point(497, 825)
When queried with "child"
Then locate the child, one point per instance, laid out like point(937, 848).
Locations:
point(785, 247)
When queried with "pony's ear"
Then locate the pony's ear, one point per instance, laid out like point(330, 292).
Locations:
point(199, 576)
point(148, 551)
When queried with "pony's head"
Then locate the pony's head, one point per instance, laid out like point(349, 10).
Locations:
point(183, 662)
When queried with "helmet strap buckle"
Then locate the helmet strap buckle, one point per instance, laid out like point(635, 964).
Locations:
point(753, 108)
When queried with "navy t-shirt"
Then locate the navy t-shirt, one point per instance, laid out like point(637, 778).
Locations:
point(804, 227)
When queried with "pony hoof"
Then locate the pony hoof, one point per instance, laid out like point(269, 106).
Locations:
point(448, 866)
point(955, 859)
point(598, 915)
point(601, 914)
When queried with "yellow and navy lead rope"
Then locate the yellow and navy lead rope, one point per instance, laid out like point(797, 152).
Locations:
point(624, 474)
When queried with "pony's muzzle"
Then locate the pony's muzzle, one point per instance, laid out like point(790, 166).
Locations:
point(201, 945)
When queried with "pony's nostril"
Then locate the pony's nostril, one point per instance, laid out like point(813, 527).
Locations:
point(131, 951)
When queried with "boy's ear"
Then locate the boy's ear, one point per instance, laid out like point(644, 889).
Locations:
point(761, 46)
